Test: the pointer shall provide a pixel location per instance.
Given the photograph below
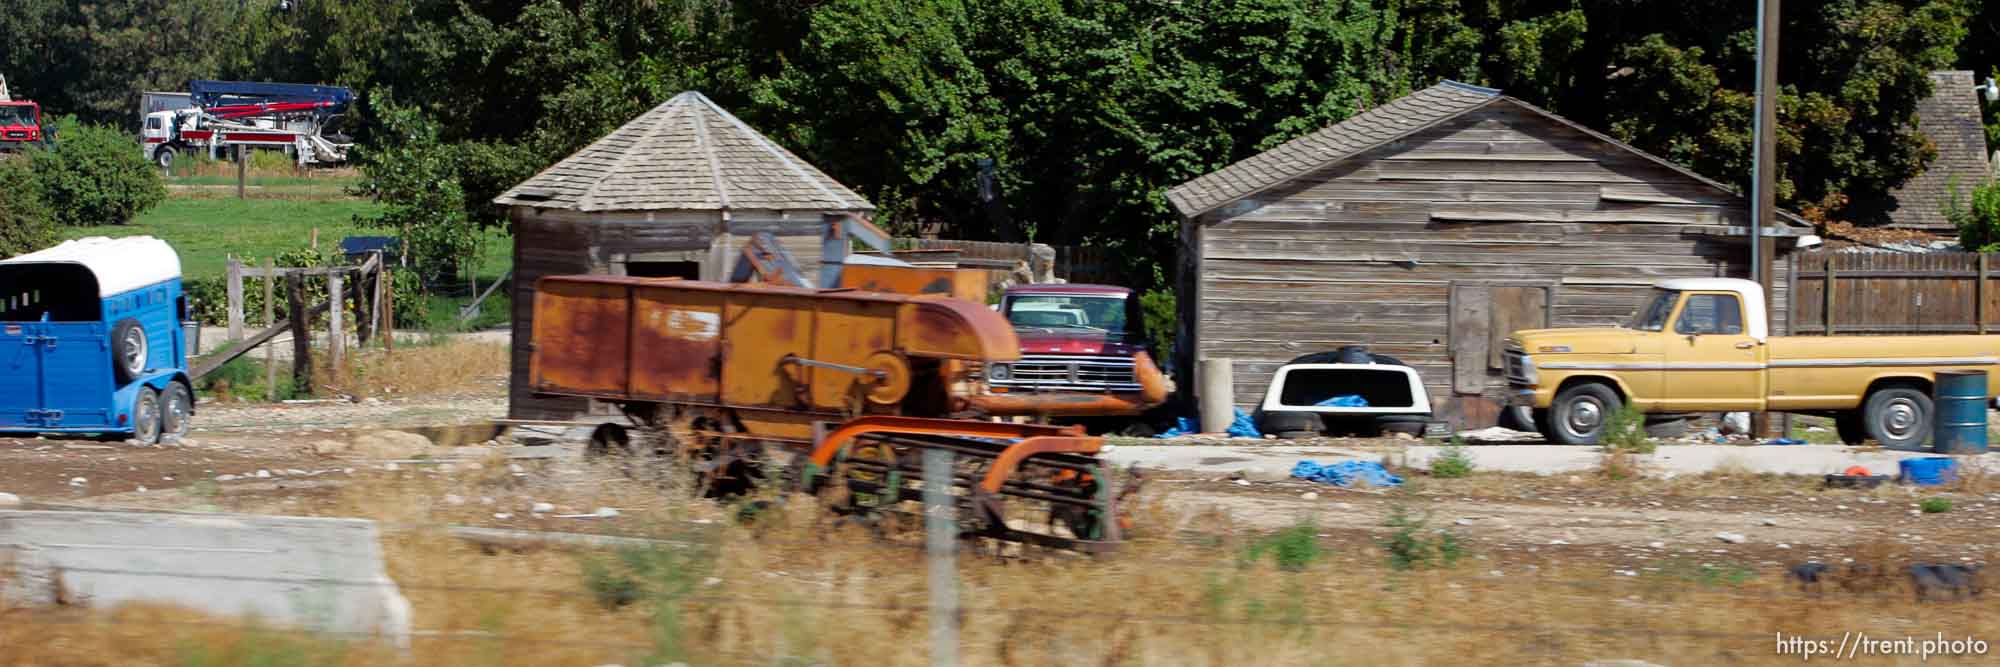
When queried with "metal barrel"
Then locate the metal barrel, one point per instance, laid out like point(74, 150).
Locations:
point(1960, 413)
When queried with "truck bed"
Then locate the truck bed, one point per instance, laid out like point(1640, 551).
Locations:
point(1818, 372)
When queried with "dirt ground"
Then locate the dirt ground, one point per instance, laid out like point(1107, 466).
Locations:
point(1561, 550)
point(257, 457)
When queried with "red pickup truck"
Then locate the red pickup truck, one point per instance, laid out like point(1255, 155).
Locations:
point(1073, 338)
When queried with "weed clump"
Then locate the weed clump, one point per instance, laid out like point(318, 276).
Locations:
point(1453, 461)
point(1293, 548)
point(1626, 432)
point(1414, 545)
point(1934, 505)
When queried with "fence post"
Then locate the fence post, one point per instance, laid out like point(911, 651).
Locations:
point(270, 320)
point(1217, 392)
point(301, 336)
point(942, 544)
point(1979, 295)
point(363, 323)
point(1831, 284)
point(234, 274)
point(242, 173)
point(336, 335)
point(386, 282)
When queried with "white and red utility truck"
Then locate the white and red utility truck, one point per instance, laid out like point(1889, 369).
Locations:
point(303, 120)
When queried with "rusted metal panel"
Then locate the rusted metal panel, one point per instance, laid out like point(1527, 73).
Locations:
point(760, 328)
point(848, 333)
point(967, 284)
point(954, 329)
point(676, 344)
point(581, 337)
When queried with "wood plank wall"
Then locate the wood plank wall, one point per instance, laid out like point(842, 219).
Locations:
point(1895, 293)
point(1367, 251)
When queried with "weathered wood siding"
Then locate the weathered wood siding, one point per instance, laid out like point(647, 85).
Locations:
point(1367, 251)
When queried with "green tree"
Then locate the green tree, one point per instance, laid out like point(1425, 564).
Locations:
point(1976, 216)
point(415, 177)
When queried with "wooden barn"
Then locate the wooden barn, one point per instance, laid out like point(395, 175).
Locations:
point(1430, 227)
point(675, 192)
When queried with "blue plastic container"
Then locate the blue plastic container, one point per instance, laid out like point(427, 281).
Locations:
point(1960, 414)
point(1928, 470)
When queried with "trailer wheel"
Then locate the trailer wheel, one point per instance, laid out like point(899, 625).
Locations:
point(164, 157)
point(1898, 417)
point(146, 416)
point(176, 411)
point(128, 350)
point(1581, 412)
point(1851, 428)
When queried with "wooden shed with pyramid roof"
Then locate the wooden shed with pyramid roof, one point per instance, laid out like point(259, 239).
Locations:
point(672, 193)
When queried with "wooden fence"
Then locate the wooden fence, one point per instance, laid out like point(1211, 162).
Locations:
point(1073, 263)
point(1893, 293)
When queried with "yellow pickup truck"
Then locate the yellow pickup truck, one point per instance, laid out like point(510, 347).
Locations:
point(1703, 345)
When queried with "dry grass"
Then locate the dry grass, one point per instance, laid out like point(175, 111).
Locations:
point(445, 368)
point(793, 590)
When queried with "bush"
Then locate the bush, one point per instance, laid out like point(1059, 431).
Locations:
point(1934, 505)
point(27, 223)
point(95, 176)
point(1977, 219)
point(1453, 461)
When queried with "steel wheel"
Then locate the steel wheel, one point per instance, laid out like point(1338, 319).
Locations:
point(176, 411)
point(1898, 417)
point(1581, 413)
point(146, 417)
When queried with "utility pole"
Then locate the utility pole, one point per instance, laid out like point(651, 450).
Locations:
point(1763, 193)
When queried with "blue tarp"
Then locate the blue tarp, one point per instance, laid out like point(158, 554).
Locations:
point(1346, 473)
point(1344, 401)
point(1242, 427)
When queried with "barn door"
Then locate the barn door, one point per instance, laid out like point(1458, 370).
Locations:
point(1482, 316)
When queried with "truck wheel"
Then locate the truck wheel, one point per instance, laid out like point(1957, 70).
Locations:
point(1580, 413)
point(176, 411)
point(128, 350)
point(146, 416)
point(1898, 417)
point(164, 157)
point(1852, 429)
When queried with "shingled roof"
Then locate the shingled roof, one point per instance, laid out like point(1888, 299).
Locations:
point(1309, 153)
point(686, 154)
point(1950, 119)
point(1367, 130)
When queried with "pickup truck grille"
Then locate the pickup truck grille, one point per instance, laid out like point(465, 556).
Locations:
point(1517, 368)
point(17, 134)
point(1069, 372)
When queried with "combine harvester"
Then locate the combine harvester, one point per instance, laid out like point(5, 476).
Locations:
point(303, 120)
point(842, 389)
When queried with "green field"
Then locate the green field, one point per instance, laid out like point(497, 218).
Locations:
point(207, 230)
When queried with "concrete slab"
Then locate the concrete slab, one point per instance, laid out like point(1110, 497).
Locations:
point(320, 574)
point(1276, 461)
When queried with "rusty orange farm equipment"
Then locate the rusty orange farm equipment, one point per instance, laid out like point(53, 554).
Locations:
point(840, 390)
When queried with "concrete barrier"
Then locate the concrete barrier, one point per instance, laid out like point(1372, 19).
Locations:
point(312, 573)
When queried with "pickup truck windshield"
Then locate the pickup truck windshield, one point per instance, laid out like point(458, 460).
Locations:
point(1098, 313)
point(1653, 316)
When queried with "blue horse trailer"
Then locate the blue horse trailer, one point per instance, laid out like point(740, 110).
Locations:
point(91, 340)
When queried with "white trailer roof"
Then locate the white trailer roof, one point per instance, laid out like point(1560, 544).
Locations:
point(121, 265)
